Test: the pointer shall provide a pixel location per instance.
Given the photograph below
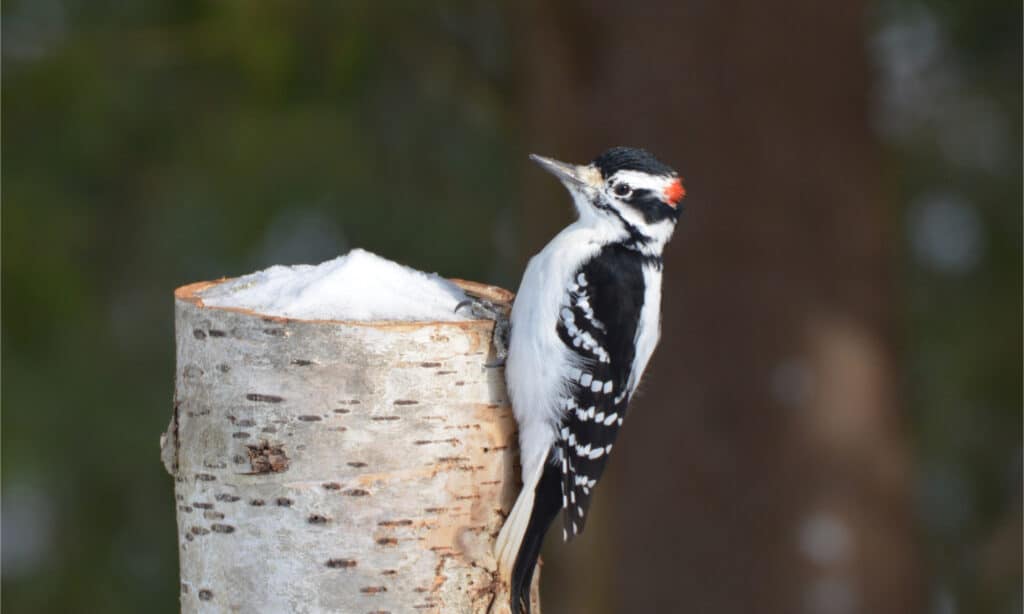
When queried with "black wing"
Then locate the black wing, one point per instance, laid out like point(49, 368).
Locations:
point(598, 321)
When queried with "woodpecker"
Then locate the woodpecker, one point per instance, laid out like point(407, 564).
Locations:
point(584, 324)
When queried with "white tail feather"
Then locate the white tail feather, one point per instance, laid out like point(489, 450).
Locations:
point(506, 548)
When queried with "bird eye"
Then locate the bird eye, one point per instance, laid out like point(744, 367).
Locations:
point(622, 189)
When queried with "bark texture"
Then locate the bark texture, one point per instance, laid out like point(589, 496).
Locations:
point(326, 466)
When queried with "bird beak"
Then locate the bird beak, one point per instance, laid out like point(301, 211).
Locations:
point(572, 176)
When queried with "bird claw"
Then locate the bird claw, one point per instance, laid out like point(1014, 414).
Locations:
point(486, 310)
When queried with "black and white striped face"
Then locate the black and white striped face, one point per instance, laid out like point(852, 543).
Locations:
point(626, 187)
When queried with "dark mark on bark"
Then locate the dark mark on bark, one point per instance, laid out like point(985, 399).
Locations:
point(217, 333)
point(386, 418)
point(373, 590)
point(452, 459)
point(267, 458)
point(226, 497)
point(422, 442)
point(205, 594)
point(340, 563)
point(356, 492)
point(274, 332)
point(332, 486)
point(388, 572)
point(406, 402)
point(430, 365)
point(223, 368)
point(217, 465)
point(310, 418)
point(245, 422)
point(238, 459)
point(268, 429)
point(257, 503)
point(184, 587)
point(339, 429)
point(394, 523)
point(188, 537)
point(185, 508)
point(435, 510)
point(205, 477)
point(444, 372)
point(212, 515)
point(198, 334)
point(199, 530)
point(460, 383)
point(222, 528)
point(387, 541)
point(356, 464)
point(241, 435)
point(283, 502)
point(264, 398)
point(172, 432)
point(301, 362)
point(342, 411)
point(317, 519)
point(203, 506)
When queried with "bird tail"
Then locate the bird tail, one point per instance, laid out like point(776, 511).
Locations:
point(520, 540)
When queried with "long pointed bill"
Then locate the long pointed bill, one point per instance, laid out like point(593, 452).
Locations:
point(569, 174)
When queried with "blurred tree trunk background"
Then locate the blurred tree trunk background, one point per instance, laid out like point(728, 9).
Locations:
point(764, 462)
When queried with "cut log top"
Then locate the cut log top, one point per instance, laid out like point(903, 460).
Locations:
point(499, 296)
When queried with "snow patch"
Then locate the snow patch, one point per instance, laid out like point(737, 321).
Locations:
point(357, 286)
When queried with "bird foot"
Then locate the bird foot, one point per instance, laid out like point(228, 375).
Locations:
point(483, 309)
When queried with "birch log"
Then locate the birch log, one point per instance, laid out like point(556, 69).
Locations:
point(328, 466)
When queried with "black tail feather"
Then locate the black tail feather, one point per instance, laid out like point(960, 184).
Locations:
point(546, 505)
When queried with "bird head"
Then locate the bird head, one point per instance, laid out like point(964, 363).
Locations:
point(624, 189)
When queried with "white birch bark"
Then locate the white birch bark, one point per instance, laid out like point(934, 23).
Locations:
point(325, 466)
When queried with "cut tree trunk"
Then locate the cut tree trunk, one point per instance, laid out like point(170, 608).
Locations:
point(326, 466)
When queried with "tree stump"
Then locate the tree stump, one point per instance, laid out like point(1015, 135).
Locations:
point(338, 466)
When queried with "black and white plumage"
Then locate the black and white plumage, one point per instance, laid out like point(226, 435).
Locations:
point(584, 324)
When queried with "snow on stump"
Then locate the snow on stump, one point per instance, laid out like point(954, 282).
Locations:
point(332, 455)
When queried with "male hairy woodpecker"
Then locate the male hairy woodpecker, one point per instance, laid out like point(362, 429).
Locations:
point(583, 327)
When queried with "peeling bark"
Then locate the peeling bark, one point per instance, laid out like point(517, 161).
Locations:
point(325, 466)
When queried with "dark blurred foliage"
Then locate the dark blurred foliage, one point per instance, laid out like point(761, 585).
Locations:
point(153, 143)
point(950, 117)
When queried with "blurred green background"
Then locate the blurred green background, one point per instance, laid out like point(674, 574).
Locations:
point(154, 143)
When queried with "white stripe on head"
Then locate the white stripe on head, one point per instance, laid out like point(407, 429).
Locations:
point(643, 181)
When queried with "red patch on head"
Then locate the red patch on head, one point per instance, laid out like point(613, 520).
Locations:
point(674, 193)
